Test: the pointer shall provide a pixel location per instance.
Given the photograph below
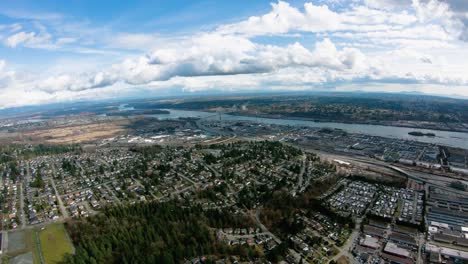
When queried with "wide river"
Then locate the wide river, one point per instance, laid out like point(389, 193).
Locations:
point(454, 139)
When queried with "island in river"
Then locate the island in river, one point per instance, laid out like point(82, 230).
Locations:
point(421, 134)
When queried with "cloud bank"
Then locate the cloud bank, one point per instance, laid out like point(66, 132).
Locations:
point(362, 44)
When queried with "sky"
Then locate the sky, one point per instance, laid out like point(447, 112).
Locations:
point(60, 51)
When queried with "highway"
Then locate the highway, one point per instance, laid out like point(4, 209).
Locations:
point(388, 168)
point(418, 176)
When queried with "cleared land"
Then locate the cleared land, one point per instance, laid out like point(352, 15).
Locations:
point(54, 243)
point(22, 247)
point(79, 133)
point(343, 260)
point(26, 258)
point(16, 241)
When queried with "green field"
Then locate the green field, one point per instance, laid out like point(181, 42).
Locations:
point(54, 243)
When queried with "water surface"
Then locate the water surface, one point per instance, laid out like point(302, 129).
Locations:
point(447, 138)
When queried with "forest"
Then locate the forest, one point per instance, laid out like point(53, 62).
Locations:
point(154, 233)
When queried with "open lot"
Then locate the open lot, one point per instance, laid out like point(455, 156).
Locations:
point(16, 241)
point(79, 133)
point(343, 260)
point(22, 247)
point(54, 243)
point(26, 258)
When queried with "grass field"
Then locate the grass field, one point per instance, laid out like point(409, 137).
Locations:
point(54, 243)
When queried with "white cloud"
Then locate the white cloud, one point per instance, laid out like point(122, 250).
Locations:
point(139, 41)
point(386, 42)
point(19, 38)
point(23, 14)
point(387, 4)
point(209, 55)
point(65, 40)
point(15, 27)
point(438, 12)
point(7, 76)
point(33, 39)
point(284, 18)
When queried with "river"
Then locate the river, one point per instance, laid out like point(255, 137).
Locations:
point(447, 138)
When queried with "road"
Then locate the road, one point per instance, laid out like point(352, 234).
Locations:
point(22, 215)
point(425, 178)
point(112, 193)
point(201, 126)
point(187, 179)
point(176, 192)
point(421, 242)
point(346, 248)
point(37, 225)
point(300, 176)
point(142, 186)
point(395, 169)
point(265, 230)
point(217, 174)
point(57, 194)
point(24, 181)
point(59, 199)
point(234, 237)
point(218, 141)
point(88, 208)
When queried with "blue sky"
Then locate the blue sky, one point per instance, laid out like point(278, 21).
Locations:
point(54, 51)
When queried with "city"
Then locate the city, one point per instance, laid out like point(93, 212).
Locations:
point(295, 193)
point(234, 132)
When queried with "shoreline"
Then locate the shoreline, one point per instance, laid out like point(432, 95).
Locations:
point(415, 126)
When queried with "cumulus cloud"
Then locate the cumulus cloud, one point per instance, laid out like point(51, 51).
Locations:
point(413, 20)
point(212, 54)
point(284, 18)
point(6, 76)
point(439, 13)
point(451, 14)
point(367, 42)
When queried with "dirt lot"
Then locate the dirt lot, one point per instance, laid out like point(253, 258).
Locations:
point(77, 133)
point(16, 241)
point(25, 258)
point(343, 260)
point(67, 134)
point(22, 248)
